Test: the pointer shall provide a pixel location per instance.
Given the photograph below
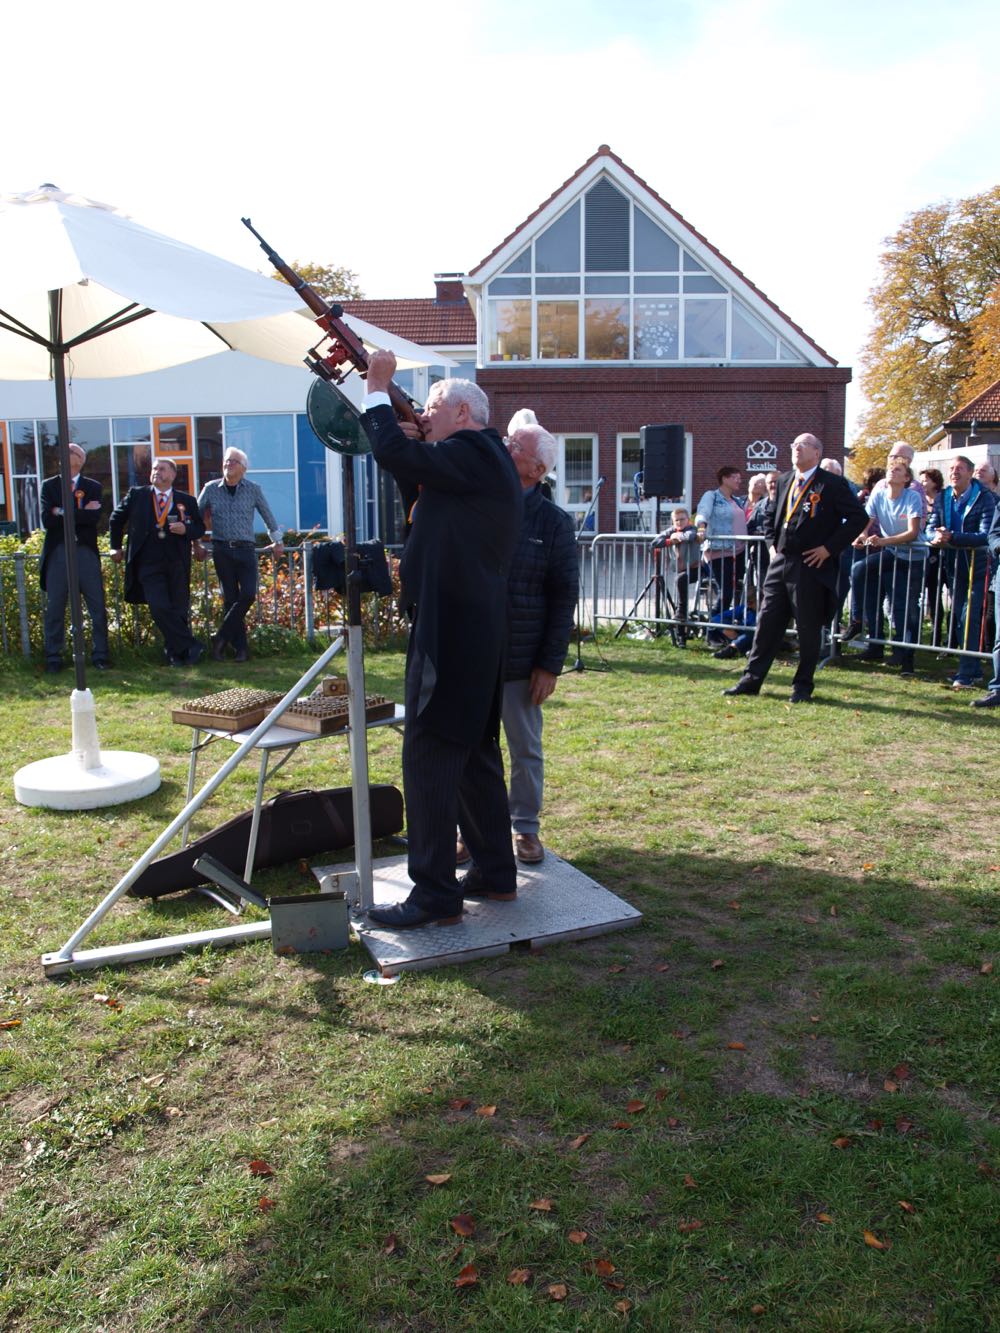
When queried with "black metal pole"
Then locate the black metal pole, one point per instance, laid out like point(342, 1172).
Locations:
point(58, 352)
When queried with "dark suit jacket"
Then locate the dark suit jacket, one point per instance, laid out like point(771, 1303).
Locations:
point(85, 520)
point(829, 515)
point(454, 570)
point(137, 514)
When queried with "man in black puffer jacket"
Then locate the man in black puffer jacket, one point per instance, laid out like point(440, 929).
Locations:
point(542, 591)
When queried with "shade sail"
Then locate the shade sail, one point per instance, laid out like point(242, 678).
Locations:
point(105, 264)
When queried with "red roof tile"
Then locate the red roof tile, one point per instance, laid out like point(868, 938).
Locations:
point(984, 409)
point(605, 151)
point(423, 320)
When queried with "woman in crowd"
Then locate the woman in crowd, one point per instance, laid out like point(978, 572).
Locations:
point(720, 514)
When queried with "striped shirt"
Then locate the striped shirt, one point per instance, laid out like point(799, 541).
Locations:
point(232, 515)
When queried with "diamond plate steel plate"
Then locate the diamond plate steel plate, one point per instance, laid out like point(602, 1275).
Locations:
point(555, 901)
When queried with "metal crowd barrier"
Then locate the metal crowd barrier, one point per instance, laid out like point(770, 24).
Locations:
point(287, 599)
point(626, 580)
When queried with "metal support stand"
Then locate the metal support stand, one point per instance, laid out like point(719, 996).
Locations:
point(69, 958)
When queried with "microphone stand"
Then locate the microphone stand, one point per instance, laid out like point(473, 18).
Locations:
point(578, 664)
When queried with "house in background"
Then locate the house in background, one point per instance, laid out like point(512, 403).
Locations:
point(973, 430)
point(604, 311)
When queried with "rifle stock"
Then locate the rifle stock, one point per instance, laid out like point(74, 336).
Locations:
point(345, 345)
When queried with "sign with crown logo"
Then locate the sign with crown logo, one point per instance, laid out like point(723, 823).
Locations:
point(761, 456)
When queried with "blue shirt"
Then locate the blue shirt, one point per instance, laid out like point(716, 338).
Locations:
point(893, 518)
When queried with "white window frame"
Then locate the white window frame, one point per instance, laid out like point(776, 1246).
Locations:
point(577, 510)
point(648, 507)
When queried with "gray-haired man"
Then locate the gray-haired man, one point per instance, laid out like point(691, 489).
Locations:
point(228, 507)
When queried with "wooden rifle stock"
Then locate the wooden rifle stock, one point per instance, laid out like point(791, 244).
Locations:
point(345, 345)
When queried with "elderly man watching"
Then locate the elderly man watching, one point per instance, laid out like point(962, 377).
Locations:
point(959, 528)
point(816, 516)
point(53, 573)
point(228, 506)
point(542, 590)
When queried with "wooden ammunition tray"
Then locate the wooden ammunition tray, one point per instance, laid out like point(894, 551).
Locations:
point(202, 713)
point(323, 715)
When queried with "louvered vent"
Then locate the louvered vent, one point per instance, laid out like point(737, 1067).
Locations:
point(607, 246)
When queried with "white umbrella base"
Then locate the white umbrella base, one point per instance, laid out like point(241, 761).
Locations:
point(60, 783)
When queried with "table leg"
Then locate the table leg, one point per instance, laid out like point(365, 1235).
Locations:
point(255, 818)
point(192, 768)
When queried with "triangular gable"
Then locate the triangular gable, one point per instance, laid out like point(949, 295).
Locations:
point(700, 256)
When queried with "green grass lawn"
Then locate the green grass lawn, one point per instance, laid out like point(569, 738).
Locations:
point(771, 1106)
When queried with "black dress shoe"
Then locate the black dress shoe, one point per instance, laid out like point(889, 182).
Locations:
point(745, 685)
point(472, 885)
point(801, 696)
point(195, 654)
point(728, 651)
point(405, 916)
point(987, 701)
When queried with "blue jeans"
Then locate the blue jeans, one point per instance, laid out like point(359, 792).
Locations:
point(886, 575)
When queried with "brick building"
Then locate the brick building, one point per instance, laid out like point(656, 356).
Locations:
point(606, 311)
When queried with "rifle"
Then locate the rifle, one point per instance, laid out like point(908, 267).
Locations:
point(345, 347)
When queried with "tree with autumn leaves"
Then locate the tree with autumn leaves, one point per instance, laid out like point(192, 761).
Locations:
point(935, 342)
point(332, 283)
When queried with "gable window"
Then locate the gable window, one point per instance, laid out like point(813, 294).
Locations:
point(605, 282)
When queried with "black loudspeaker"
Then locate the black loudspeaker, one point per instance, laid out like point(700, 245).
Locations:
point(663, 461)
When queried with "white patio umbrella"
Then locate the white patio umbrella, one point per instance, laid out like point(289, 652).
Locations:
point(87, 291)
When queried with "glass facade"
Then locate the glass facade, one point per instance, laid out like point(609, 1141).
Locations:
point(626, 289)
point(286, 459)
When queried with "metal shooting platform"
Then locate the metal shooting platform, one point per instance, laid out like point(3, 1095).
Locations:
point(555, 902)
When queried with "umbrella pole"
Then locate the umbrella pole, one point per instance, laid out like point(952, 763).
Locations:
point(356, 711)
point(58, 351)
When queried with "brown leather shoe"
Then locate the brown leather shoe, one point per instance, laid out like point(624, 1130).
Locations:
point(528, 850)
point(462, 854)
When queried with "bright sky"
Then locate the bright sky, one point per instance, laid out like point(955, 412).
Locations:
point(401, 139)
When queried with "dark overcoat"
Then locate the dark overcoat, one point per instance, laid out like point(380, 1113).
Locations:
point(829, 515)
point(465, 520)
point(85, 489)
point(137, 513)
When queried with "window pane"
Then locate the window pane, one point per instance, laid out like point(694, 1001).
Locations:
point(126, 429)
point(578, 454)
point(607, 229)
point(654, 249)
point(600, 285)
point(510, 287)
point(559, 329)
point(785, 353)
point(606, 330)
point(266, 440)
point(631, 464)
point(312, 476)
point(752, 339)
point(132, 463)
point(557, 286)
point(522, 264)
point(173, 437)
point(279, 487)
point(557, 250)
point(662, 284)
point(509, 333)
point(691, 264)
point(656, 330)
point(705, 329)
point(208, 446)
point(705, 284)
point(22, 442)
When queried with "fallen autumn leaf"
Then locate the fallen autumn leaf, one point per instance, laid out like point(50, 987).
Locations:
point(438, 1180)
point(468, 1277)
point(463, 1225)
